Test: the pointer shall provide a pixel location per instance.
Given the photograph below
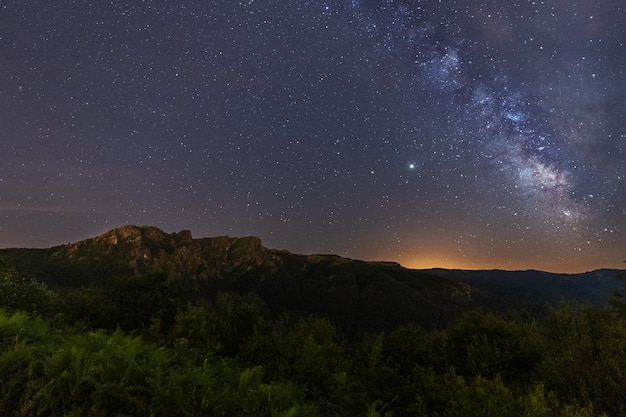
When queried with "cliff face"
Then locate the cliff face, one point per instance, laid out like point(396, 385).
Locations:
point(358, 296)
point(355, 294)
point(146, 250)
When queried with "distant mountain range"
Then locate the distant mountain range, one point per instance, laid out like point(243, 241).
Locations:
point(539, 287)
point(358, 296)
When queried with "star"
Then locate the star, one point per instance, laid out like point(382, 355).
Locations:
point(501, 121)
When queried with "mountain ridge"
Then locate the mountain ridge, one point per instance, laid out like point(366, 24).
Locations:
point(359, 296)
point(147, 249)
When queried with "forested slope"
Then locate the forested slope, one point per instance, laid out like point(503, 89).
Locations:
point(139, 323)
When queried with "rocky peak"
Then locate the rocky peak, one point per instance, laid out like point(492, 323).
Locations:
point(137, 236)
point(131, 239)
point(147, 249)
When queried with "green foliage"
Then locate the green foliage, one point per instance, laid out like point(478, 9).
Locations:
point(191, 328)
point(230, 356)
point(102, 374)
point(538, 403)
point(377, 409)
point(451, 395)
point(585, 361)
point(308, 353)
point(21, 293)
point(313, 352)
point(129, 303)
point(490, 345)
point(221, 325)
point(375, 376)
point(411, 346)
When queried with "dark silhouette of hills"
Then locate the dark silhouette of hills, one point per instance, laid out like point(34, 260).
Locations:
point(533, 286)
point(358, 296)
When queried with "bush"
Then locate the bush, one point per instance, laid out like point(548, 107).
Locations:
point(21, 293)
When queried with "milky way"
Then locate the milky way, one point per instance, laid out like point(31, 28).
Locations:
point(473, 134)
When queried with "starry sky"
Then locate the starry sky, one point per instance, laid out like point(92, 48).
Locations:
point(470, 134)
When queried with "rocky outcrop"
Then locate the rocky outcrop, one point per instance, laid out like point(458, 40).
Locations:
point(358, 296)
point(147, 249)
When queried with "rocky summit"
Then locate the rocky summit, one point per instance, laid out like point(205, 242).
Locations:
point(149, 250)
point(358, 296)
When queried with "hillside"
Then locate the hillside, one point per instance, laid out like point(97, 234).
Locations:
point(539, 287)
point(141, 322)
point(358, 296)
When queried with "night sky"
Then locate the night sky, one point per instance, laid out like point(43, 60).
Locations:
point(460, 134)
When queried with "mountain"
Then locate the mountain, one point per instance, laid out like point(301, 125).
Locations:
point(539, 287)
point(132, 250)
point(358, 296)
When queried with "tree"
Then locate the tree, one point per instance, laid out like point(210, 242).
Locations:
point(452, 395)
point(489, 344)
point(584, 361)
point(221, 325)
point(22, 293)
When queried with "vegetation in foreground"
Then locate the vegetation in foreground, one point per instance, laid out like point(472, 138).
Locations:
point(136, 347)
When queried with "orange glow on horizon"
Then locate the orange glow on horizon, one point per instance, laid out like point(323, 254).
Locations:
point(430, 263)
point(448, 263)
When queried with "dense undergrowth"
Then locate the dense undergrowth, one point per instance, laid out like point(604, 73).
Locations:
point(136, 347)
